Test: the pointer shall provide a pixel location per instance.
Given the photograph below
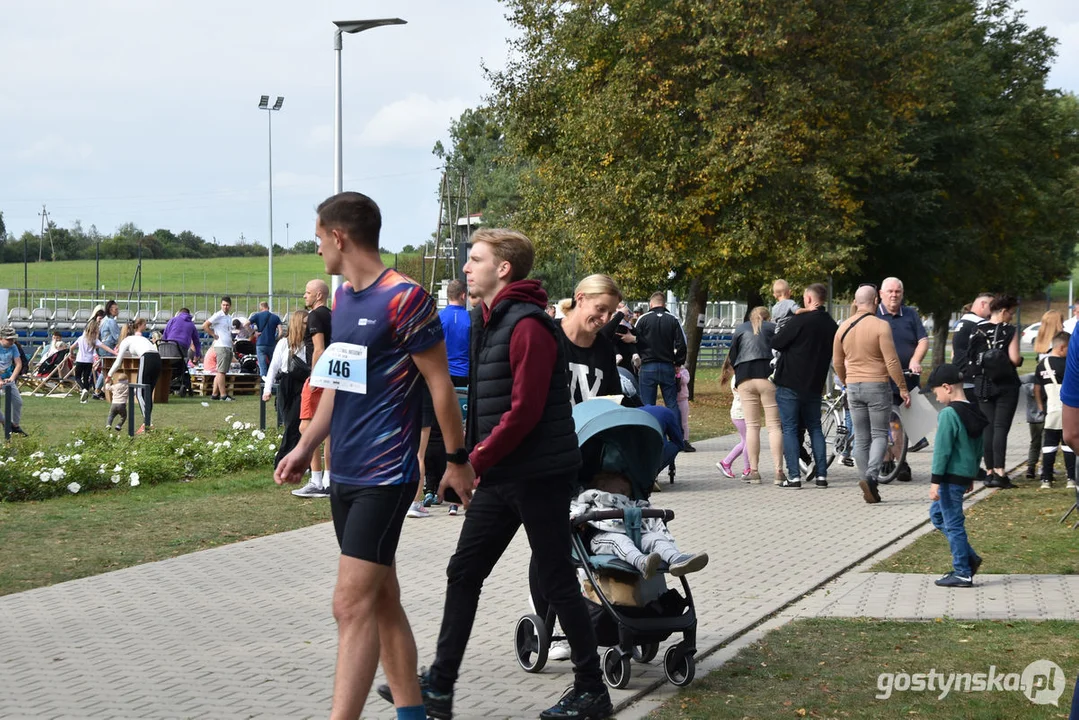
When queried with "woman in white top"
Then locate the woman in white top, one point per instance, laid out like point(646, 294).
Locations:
point(133, 344)
point(86, 350)
point(289, 368)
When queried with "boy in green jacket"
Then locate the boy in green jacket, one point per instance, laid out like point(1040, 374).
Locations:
point(956, 454)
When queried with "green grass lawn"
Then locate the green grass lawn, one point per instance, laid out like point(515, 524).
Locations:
point(51, 420)
point(831, 668)
point(1015, 531)
point(42, 543)
point(710, 409)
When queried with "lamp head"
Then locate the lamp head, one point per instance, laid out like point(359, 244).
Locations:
point(355, 26)
point(264, 101)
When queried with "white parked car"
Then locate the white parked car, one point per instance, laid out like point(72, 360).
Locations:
point(1030, 332)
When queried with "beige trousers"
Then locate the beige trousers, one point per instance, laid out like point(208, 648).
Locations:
point(755, 395)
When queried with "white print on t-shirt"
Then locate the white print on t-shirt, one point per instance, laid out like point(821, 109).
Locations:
point(579, 381)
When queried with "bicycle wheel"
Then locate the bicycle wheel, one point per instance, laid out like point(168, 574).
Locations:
point(830, 422)
point(896, 452)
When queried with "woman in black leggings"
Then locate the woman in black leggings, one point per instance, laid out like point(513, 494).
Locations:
point(133, 344)
point(998, 385)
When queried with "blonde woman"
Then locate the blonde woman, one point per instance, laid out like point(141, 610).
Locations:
point(289, 368)
point(1052, 323)
point(593, 371)
point(751, 356)
point(133, 344)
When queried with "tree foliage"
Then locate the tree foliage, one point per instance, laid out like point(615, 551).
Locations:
point(76, 243)
point(990, 202)
point(725, 140)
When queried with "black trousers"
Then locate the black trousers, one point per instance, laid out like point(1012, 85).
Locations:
point(1052, 440)
point(84, 375)
point(999, 410)
point(149, 371)
point(289, 392)
point(496, 512)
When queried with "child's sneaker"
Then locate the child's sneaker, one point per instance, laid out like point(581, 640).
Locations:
point(453, 510)
point(687, 563)
point(431, 499)
point(725, 468)
point(1046, 485)
point(648, 564)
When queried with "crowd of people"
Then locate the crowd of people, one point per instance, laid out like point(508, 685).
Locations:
point(394, 368)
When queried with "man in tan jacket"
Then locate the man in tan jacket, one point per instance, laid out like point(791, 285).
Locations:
point(864, 358)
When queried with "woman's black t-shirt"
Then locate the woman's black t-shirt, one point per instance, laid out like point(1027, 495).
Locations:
point(592, 370)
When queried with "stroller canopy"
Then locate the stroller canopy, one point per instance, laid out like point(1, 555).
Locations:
point(619, 439)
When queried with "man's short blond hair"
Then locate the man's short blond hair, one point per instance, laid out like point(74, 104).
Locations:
point(509, 246)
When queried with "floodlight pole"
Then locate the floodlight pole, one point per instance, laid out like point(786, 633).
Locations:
point(349, 26)
point(264, 104)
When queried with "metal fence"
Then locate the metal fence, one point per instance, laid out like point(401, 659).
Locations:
point(148, 302)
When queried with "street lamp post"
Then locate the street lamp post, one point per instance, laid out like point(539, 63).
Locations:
point(351, 27)
point(264, 104)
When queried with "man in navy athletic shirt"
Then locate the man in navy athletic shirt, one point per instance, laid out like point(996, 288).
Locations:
point(386, 333)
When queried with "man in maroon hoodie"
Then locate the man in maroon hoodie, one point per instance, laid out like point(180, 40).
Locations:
point(526, 458)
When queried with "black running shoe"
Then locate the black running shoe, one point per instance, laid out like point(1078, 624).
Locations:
point(438, 705)
point(578, 705)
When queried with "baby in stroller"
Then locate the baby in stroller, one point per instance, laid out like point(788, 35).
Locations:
point(622, 549)
point(612, 491)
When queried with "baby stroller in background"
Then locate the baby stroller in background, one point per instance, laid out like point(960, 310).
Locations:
point(174, 356)
point(245, 355)
point(630, 442)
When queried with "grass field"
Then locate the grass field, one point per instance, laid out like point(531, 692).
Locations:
point(52, 420)
point(1015, 531)
point(218, 276)
point(835, 668)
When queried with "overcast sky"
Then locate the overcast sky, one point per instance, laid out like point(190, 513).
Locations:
point(127, 110)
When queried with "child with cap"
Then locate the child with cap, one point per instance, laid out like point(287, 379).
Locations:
point(957, 451)
point(1048, 377)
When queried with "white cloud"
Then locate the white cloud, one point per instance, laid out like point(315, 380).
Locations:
point(415, 122)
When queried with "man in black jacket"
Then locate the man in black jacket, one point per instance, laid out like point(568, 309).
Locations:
point(661, 344)
point(525, 455)
point(805, 352)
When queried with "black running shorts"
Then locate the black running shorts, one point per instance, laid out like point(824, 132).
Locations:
point(368, 519)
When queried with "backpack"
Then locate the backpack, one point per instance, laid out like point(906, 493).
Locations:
point(25, 361)
point(989, 355)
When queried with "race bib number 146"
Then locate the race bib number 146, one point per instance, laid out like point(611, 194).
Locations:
point(342, 366)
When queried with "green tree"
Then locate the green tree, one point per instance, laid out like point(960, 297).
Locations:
point(722, 141)
point(991, 201)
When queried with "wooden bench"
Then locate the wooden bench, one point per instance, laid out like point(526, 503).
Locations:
point(235, 384)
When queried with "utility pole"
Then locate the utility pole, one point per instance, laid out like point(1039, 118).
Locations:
point(41, 237)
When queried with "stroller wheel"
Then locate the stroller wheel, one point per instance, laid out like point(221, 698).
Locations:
point(616, 668)
point(679, 665)
point(645, 653)
point(530, 643)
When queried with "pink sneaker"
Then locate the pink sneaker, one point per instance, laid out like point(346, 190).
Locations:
point(725, 468)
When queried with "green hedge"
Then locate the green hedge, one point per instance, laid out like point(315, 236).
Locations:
point(101, 460)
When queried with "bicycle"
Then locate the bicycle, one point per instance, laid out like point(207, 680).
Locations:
point(839, 440)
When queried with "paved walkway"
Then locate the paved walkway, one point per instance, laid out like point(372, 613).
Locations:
point(246, 630)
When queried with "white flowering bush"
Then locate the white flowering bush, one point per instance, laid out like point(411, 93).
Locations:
point(100, 460)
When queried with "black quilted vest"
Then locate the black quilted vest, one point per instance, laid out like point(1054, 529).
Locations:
point(551, 447)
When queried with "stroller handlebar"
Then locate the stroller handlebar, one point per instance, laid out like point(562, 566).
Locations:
point(665, 515)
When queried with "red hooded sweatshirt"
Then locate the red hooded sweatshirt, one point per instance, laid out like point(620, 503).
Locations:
point(533, 353)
